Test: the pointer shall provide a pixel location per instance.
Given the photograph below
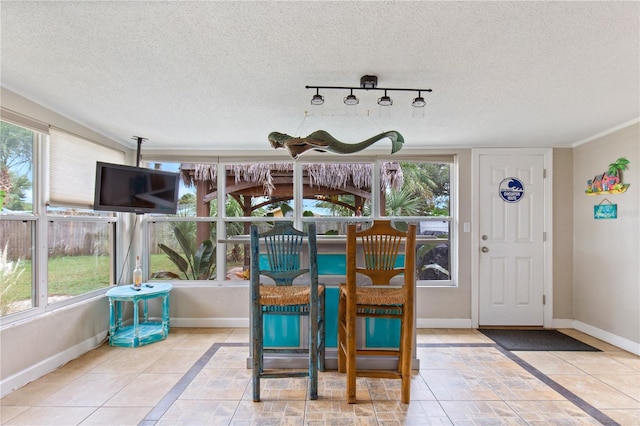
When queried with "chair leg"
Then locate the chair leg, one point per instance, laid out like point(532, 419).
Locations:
point(342, 368)
point(313, 350)
point(257, 359)
point(351, 354)
point(321, 332)
point(406, 357)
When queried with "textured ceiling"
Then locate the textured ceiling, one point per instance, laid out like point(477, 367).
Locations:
point(223, 75)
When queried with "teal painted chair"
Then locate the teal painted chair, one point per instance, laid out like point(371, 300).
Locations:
point(373, 255)
point(283, 247)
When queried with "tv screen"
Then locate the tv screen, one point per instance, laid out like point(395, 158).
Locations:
point(134, 189)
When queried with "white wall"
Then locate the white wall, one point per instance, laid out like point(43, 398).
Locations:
point(37, 346)
point(606, 252)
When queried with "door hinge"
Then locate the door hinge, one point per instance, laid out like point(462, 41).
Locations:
point(544, 299)
point(544, 237)
point(544, 173)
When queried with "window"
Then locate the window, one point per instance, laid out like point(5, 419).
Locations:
point(330, 194)
point(16, 169)
point(17, 292)
point(80, 253)
point(17, 224)
point(424, 195)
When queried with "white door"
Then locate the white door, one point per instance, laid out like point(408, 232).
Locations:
point(511, 240)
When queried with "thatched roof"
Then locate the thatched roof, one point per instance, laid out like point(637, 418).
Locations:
point(335, 176)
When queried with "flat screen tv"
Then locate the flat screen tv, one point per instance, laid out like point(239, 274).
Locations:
point(123, 188)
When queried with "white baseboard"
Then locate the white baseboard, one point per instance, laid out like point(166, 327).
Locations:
point(615, 340)
point(210, 322)
point(443, 323)
point(50, 364)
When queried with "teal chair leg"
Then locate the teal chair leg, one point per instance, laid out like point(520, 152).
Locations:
point(257, 356)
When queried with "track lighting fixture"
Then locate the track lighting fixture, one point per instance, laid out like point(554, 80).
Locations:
point(368, 82)
point(418, 102)
point(351, 99)
point(385, 100)
point(317, 99)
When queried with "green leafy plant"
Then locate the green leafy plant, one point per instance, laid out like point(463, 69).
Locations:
point(196, 264)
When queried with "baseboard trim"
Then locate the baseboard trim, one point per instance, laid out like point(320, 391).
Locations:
point(443, 323)
point(50, 364)
point(210, 322)
point(613, 339)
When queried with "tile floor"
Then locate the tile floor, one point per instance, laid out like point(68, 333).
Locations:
point(199, 377)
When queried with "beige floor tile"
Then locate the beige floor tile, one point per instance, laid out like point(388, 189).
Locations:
point(340, 413)
point(199, 412)
point(416, 413)
point(52, 416)
point(131, 360)
point(452, 385)
point(551, 412)
point(455, 385)
point(626, 358)
point(144, 390)
point(89, 390)
point(595, 363)
point(92, 359)
point(270, 412)
point(197, 342)
point(218, 384)
point(624, 417)
point(481, 412)
point(8, 412)
point(285, 389)
point(332, 386)
point(457, 335)
point(35, 392)
point(121, 416)
point(239, 335)
point(627, 384)
point(390, 389)
point(595, 392)
point(590, 340)
point(230, 357)
point(175, 361)
point(548, 363)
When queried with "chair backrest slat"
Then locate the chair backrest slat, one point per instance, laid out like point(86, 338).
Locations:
point(382, 247)
point(283, 246)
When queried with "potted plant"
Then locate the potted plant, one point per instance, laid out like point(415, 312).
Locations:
point(196, 264)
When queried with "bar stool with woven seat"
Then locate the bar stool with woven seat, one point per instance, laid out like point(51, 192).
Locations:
point(377, 253)
point(283, 247)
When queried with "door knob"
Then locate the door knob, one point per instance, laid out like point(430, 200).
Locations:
point(484, 249)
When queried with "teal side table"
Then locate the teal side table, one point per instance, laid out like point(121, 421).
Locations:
point(140, 332)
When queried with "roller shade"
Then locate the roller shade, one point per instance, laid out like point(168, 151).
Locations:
point(72, 168)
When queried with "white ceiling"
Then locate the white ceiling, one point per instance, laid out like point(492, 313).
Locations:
point(223, 75)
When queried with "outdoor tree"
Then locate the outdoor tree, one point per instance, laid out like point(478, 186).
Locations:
point(16, 153)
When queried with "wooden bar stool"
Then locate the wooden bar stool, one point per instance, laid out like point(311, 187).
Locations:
point(283, 246)
point(377, 253)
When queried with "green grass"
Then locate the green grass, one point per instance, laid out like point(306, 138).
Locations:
point(76, 275)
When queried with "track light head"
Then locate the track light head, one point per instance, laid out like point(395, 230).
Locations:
point(385, 100)
point(317, 99)
point(418, 102)
point(351, 99)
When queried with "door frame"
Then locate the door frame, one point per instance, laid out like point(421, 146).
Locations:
point(547, 154)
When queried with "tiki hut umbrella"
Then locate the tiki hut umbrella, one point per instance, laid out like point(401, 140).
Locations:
point(275, 180)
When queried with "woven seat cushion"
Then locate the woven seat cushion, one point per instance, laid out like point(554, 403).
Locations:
point(286, 295)
point(378, 295)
